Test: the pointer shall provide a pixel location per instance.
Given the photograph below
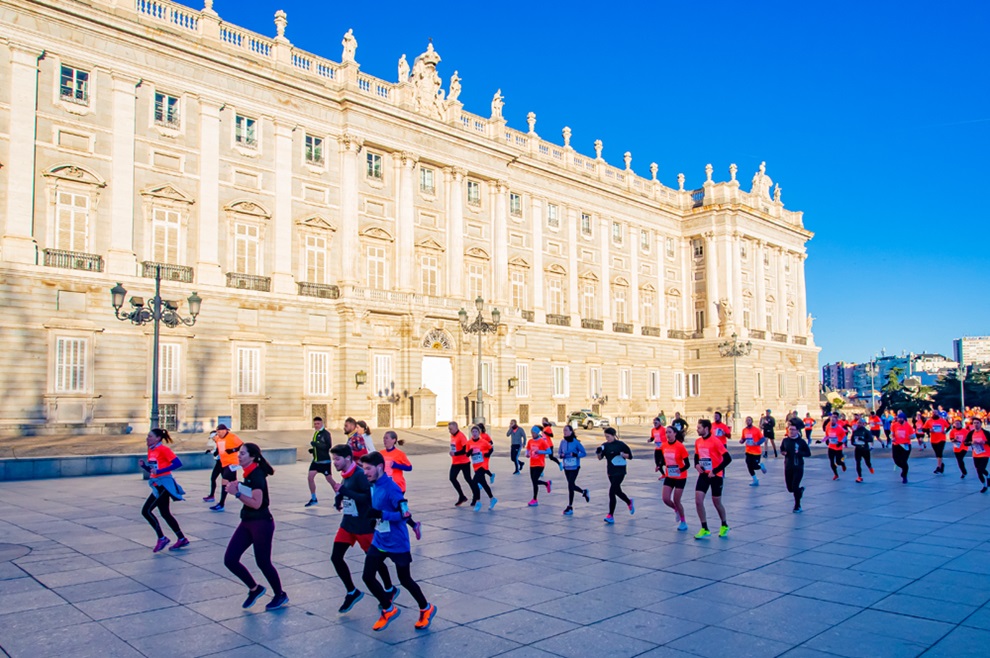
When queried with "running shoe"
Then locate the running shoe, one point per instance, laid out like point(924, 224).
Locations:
point(560, 466)
point(798, 510)
point(160, 544)
point(460, 501)
point(386, 618)
point(835, 477)
point(755, 482)
point(871, 470)
point(569, 511)
point(350, 601)
point(312, 501)
point(843, 467)
point(549, 483)
point(682, 526)
point(763, 467)
point(277, 602)
point(393, 594)
point(491, 478)
point(703, 533)
point(253, 595)
point(426, 617)
point(984, 489)
point(209, 499)
point(723, 531)
point(962, 477)
point(632, 506)
point(859, 479)
point(217, 508)
point(534, 503)
point(904, 479)
point(609, 519)
point(587, 496)
point(182, 543)
point(764, 455)
point(477, 506)
point(418, 530)
point(491, 505)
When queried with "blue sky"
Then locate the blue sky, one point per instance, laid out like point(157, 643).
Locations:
point(872, 116)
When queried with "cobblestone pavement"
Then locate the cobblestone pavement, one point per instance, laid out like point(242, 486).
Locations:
point(872, 569)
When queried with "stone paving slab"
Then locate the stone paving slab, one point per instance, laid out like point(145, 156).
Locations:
point(878, 569)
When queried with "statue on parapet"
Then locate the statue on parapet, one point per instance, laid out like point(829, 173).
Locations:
point(809, 322)
point(497, 103)
point(403, 69)
point(724, 316)
point(762, 183)
point(455, 88)
point(350, 45)
point(776, 193)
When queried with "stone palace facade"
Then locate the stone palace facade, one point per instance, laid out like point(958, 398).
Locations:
point(334, 225)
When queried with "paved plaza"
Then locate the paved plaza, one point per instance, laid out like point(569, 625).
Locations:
point(873, 569)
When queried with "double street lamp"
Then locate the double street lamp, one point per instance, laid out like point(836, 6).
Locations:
point(872, 370)
point(735, 348)
point(962, 390)
point(480, 327)
point(158, 311)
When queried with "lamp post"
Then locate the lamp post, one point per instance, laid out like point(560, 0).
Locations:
point(480, 327)
point(159, 311)
point(962, 391)
point(871, 368)
point(735, 348)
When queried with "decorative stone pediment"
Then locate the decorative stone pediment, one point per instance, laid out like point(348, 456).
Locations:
point(554, 268)
point(431, 245)
point(75, 174)
point(377, 233)
point(438, 339)
point(167, 192)
point(771, 299)
point(648, 288)
point(517, 261)
point(673, 292)
point(249, 208)
point(477, 252)
point(620, 281)
point(317, 223)
point(747, 293)
point(588, 276)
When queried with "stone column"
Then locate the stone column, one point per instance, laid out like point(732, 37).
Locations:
point(500, 244)
point(728, 262)
point(350, 246)
point(536, 277)
point(781, 291)
point(455, 232)
point(604, 295)
point(121, 258)
point(573, 308)
point(759, 271)
point(687, 283)
point(634, 312)
point(208, 270)
point(405, 222)
point(737, 296)
point(801, 297)
point(711, 282)
point(661, 297)
point(283, 280)
point(18, 244)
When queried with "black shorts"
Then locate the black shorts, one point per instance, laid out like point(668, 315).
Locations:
point(675, 483)
point(398, 559)
point(705, 481)
point(228, 474)
point(321, 467)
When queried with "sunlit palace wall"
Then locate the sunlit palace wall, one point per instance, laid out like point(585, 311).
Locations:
point(334, 223)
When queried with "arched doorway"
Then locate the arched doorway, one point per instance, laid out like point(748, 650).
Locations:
point(438, 372)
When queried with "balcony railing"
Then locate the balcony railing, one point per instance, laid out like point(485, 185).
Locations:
point(587, 323)
point(758, 334)
point(778, 338)
point(249, 282)
point(800, 340)
point(73, 260)
point(559, 320)
point(307, 289)
point(656, 332)
point(622, 327)
point(169, 271)
point(677, 333)
point(695, 335)
point(528, 316)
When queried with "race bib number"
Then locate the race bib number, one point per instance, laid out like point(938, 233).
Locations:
point(477, 458)
point(706, 463)
point(958, 445)
point(719, 432)
point(382, 526)
point(673, 471)
point(979, 449)
point(349, 507)
point(750, 442)
point(453, 447)
point(570, 462)
point(618, 460)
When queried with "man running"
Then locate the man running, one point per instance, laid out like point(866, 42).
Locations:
point(876, 425)
point(391, 541)
point(794, 449)
point(720, 430)
point(835, 439)
point(959, 448)
point(710, 460)
point(767, 425)
point(356, 525)
point(460, 463)
point(516, 436)
point(903, 432)
point(320, 449)
point(228, 446)
point(480, 449)
point(937, 428)
point(571, 452)
point(658, 436)
point(888, 421)
point(809, 424)
point(862, 442)
point(679, 424)
point(753, 439)
point(537, 450)
point(616, 454)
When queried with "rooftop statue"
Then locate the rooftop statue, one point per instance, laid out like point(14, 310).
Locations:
point(403, 69)
point(497, 103)
point(455, 88)
point(762, 183)
point(350, 45)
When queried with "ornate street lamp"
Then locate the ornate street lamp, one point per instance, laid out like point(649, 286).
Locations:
point(962, 390)
point(480, 327)
point(159, 311)
point(872, 370)
point(735, 348)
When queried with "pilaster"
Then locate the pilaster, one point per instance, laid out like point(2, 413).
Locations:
point(350, 146)
point(121, 258)
point(18, 243)
point(536, 276)
point(208, 257)
point(500, 244)
point(283, 280)
point(405, 224)
point(455, 231)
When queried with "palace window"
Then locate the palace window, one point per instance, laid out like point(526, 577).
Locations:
point(377, 268)
point(743, 252)
point(678, 385)
point(648, 318)
point(383, 374)
point(553, 216)
point(616, 232)
point(672, 313)
point(699, 319)
point(474, 193)
point(72, 221)
point(619, 298)
point(245, 131)
point(561, 383)
point(70, 364)
point(374, 166)
point(694, 382)
point(429, 276)
point(427, 183)
point(589, 301)
point(759, 384)
point(654, 385)
point(585, 224)
point(781, 384)
point(699, 248)
point(247, 249)
point(486, 377)
point(555, 296)
point(476, 280)
point(248, 371)
point(515, 204)
point(165, 225)
point(167, 111)
point(168, 368)
point(518, 289)
point(669, 248)
point(625, 383)
point(314, 150)
point(318, 374)
point(316, 259)
point(594, 382)
point(522, 380)
point(644, 240)
point(74, 85)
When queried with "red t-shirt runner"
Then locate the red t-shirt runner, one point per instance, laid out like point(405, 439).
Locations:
point(958, 436)
point(458, 443)
point(658, 434)
point(835, 436)
point(709, 453)
point(163, 457)
point(752, 435)
point(937, 428)
point(902, 432)
point(479, 452)
point(722, 432)
point(534, 445)
point(675, 458)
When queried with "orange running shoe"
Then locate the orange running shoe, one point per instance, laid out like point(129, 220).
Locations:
point(426, 618)
point(386, 618)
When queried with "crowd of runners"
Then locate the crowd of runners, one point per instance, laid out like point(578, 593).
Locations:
point(370, 493)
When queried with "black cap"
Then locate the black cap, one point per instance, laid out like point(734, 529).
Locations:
point(610, 431)
point(221, 426)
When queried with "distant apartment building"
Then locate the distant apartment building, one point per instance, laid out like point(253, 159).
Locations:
point(972, 350)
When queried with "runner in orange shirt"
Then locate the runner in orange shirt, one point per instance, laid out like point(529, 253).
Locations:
point(161, 462)
point(980, 440)
point(460, 463)
point(677, 461)
point(537, 450)
point(876, 425)
point(710, 460)
point(919, 429)
point(720, 430)
point(753, 439)
point(957, 435)
point(228, 445)
point(809, 424)
point(658, 436)
point(835, 439)
point(397, 464)
point(480, 450)
point(937, 428)
point(903, 432)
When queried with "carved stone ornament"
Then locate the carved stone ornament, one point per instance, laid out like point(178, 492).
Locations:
point(427, 86)
point(438, 339)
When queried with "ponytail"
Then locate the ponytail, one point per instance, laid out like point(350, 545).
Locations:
point(255, 452)
point(161, 434)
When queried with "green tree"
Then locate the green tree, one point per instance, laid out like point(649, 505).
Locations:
point(947, 392)
point(898, 397)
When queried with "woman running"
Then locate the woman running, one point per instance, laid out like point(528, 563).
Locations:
point(835, 438)
point(257, 528)
point(211, 447)
point(978, 439)
point(161, 462)
point(396, 465)
point(487, 437)
point(677, 461)
point(548, 433)
point(616, 454)
point(481, 451)
point(794, 449)
point(862, 442)
point(571, 452)
point(959, 448)
point(537, 450)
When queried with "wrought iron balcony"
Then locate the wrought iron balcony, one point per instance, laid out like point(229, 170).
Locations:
point(587, 323)
point(307, 289)
point(528, 316)
point(800, 340)
point(657, 332)
point(622, 327)
point(758, 334)
point(73, 260)
point(559, 320)
point(170, 272)
point(677, 333)
point(249, 282)
point(779, 338)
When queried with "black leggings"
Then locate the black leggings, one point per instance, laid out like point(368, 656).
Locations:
point(572, 487)
point(901, 456)
point(465, 470)
point(344, 572)
point(258, 533)
point(534, 475)
point(375, 563)
point(161, 501)
point(658, 460)
point(615, 490)
point(792, 478)
point(862, 454)
point(961, 460)
point(217, 468)
point(752, 463)
point(980, 464)
point(480, 482)
point(939, 448)
point(554, 459)
point(835, 460)
point(514, 456)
